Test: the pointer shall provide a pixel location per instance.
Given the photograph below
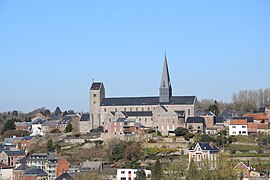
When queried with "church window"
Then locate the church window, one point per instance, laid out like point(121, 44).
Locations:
point(125, 109)
point(148, 108)
point(104, 109)
point(142, 109)
point(188, 111)
point(151, 119)
point(136, 109)
point(115, 109)
point(95, 95)
point(145, 119)
point(109, 120)
point(130, 109)
point(94, 102)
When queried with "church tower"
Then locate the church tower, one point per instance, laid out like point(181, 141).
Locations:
point(165, 90)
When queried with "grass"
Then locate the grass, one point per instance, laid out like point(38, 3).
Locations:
point(250, 155)
point(241, 147)
point(246, 139)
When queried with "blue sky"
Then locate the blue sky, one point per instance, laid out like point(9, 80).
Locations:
point(51, 50)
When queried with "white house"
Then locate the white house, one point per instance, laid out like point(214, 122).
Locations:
point(238, 127)
point(36, 127)
point(130, 174)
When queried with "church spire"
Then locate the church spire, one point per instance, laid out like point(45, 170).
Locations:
point(165, 90)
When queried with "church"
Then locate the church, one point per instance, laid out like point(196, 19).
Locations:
point(164, 112)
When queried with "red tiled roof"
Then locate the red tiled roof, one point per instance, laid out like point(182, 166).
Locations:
point(262, 126)
point(257, 116)
point(238, 122)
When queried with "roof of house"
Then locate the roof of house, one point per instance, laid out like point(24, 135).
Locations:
point(91, 165)
point(219, 119)
point(238, 122)
point(130, 101)
point(85, 117)
point(64, 176)
point(11, 140)
point(56, 116)
point(249, 119)
point(243, 164)
point(28, 138)
point(262, 126)
point(22, 123)
point(204, 146)
point(22, 167)
point(96, 86)
point(15, 153)
point(195, 120)
point(258, 116)
point(262, 110)
point(138, 113)
point(39, 121)
point(35, 172)
point(120, 119)
point(252, 126)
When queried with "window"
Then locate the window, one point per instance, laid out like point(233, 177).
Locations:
point(233, 132)
point(193, 156)
point(188, 111)
point(244, 132)
point(104, 109)
point(136, 109)
point(125, 109)
point(199, 157)
point(148, 108)
point(122, 172)
point(129, 172)
point(243, 126)
point(142, 109)
point(94, 95)
point(115, 109)
point(233, 126)
point(204, 156)
point(199, 127)
point(199, 149)
point(145, 119)
point(130, 109)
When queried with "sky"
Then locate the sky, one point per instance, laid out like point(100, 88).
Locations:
point(51, 51)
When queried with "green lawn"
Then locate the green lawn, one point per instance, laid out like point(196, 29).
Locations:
point(250, 155)
point(245, 139)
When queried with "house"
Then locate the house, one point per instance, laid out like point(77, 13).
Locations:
point(6, 172)
point(36, 127)
point(84, 124)
point(247, 171)
point(127, 174)
point(209, 119)
point(227, 114)
point(26, 126)
point(196, 124)
point(48, 126)
point(259, 117)
point(53, 164)
point(71, 118)
point(11, 157)
point(238, 127)
point(203, 151)
point(263, 128)
point(18, 172)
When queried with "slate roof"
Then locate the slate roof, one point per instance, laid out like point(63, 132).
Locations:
point(262, 110)
point(96, 86)
point(85, 117)
point(56, 116)
point(138, 113)
point(15, 153)
point(130, 101)
point(120, 119)
point(219, 119)
point(28, 138)
point(195, 120)
point(91, 165)
point(204, 146)
point(64, 176)
point(22, 167)
point(35, 172)
point(39, 121)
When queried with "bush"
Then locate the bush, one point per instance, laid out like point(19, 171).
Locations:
point(188, 136)
point(180, 131)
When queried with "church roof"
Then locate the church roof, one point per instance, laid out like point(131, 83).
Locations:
point(138, 113)
point(165, 79)
point(131, 101)
point(96, 86)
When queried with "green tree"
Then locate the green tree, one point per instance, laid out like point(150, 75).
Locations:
point(47, 112)
point(58, 111)
point(213, 108)
point(68, 128)
point(9, 125)
point(157, 171)
point(180, 131)
point(193, 172)
point(50, 145)
point(140, 175)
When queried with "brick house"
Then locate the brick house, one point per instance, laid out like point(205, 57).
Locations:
point(203, 151)
point(259, 117)
point(10, 157)
point(51, 163)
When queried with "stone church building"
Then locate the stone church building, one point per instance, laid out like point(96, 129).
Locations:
point(164, 112)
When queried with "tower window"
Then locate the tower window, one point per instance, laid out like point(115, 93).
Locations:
point(115, 109)
point(104, 109)
point(188, 111)
point(95, 95)
point(142, 109)
point(136, 109)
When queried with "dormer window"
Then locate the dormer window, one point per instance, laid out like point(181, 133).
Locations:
point(199, 149)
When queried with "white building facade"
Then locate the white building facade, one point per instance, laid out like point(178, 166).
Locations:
point(130, 174)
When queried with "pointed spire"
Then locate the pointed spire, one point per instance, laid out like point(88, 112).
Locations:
point(165, 79)
point(165, 90)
